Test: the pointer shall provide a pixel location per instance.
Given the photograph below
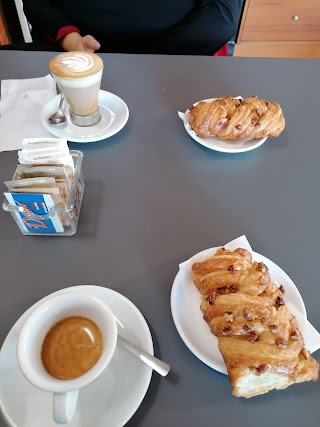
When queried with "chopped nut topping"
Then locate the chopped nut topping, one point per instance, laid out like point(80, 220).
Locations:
point(231, 268)
point(223, 290)
point(273, 329)
point(267, 103)
point(281, 343)
point(253, 120)
point(261, 369)
point(247, 314)
point(281, 288)
point(247, 328)
point(261, 267)
point(264, 279)
point(239, 127)
point(211, 298)
point(227, 330)
point(294, 336)
point(253, 336)
point(223, 101)
point(222, 121)
point(233, 289)
point(228, 316)
point(280, 301)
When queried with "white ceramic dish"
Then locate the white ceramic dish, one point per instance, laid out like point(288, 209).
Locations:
point(188, 319)
point(110, 401)
point(114, 112)
point(217, 144)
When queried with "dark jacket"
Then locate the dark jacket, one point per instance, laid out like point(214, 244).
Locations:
point(198, 27)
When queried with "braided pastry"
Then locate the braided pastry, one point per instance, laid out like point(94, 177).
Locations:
point(237, 119)
point(259, 338)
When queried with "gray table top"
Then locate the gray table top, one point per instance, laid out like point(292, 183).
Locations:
point(154, 197)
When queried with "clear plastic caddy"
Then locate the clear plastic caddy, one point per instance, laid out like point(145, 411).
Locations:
point(52, 219)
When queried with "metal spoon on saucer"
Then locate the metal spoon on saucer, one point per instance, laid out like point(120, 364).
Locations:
point(156, 364)
point(58, 117)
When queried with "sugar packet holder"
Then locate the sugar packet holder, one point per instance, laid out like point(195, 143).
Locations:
point(39, 151)
point(44, 214)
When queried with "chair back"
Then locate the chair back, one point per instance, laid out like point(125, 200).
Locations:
point(25, 26)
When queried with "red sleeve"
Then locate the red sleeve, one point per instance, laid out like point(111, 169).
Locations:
point(66, 30)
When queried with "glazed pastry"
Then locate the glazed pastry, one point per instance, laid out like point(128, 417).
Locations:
point(237, 119)
point(259, 338)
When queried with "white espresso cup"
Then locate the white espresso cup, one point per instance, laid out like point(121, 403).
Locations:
point(35, 329)
point(78, 75)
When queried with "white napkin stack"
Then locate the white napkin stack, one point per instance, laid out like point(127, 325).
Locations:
point(20, 107)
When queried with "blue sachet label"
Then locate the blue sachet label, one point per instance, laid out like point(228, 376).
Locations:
point(39, 204)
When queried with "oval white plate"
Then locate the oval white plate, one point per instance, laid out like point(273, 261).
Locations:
point(218, 144)
point(114, 112)
point(109, 401)
point(188, 318)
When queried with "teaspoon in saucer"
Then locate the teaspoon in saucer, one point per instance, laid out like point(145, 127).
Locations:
point(156, 364)
point(58, 118)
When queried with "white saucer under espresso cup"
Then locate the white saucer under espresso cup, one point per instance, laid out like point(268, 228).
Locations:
point(78, 75)
point(32, 335)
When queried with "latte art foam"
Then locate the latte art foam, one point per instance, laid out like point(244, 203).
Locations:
point(76, 64)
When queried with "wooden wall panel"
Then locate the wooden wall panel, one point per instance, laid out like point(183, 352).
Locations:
point(279, 28)
point(281, 20)
point(278, 49)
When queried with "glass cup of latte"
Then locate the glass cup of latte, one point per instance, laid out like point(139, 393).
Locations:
point(78, 75)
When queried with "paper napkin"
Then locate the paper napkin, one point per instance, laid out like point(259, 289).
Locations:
point(310, 334)
point(20, 107)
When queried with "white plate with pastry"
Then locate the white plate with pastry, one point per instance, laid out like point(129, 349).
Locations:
point(235, 145)
point(188, 318)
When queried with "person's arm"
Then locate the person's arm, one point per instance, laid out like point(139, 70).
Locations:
point(48, 22)
point(74, 41)
point(205, 31)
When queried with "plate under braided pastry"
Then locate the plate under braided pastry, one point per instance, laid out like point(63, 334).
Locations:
point(258, 336)
point(237, 119)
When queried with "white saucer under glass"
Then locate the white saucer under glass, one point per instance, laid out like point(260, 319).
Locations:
point(114, 112)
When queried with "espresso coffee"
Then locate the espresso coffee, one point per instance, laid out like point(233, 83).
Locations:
point(71, 347)
point(78, 75)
